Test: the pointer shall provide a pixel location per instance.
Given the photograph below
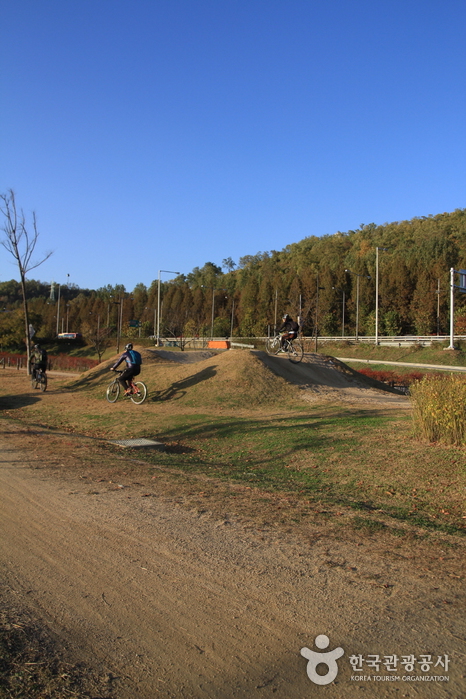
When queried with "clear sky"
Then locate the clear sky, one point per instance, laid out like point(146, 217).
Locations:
point(163, 134)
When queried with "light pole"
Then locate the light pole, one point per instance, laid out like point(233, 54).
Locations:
point(213, 309)
point(58, 310)
point(118, 303)
point(167, 271)
point(336, 288)
point(367, 276)
point(317, 305)
point(438, 307)
point(155, 317)
point(377, 294)
point(232, 316)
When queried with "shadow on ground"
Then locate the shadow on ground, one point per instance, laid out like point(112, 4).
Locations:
point(178, 389)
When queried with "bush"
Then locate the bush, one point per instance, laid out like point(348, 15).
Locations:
point(392, 378)
point(62, 362)
point(439, 408)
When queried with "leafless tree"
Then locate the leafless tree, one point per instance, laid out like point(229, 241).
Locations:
point(20, 242)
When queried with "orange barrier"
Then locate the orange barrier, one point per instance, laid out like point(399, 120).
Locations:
point(218, 344)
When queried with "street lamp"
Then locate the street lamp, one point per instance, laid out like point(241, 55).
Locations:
point(167, 271)
point(155, 317)
point(377, 294)
point(67, 316)
point(232, 317)
point(58, 310)
point(91, 313)
point(213, 308)
point(336, 288)
point(317, 305)
point(119, 320)
point(367, 276)
point(438, 307)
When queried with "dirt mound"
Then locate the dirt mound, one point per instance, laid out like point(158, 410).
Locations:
point(234, 379)
point(189, 357)
point(242, 379)
point(321, 377)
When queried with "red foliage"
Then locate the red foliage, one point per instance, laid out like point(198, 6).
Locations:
point(62, 362)
point(392, 378)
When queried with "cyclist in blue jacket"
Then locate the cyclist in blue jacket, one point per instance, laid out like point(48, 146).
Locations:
point(133, 367)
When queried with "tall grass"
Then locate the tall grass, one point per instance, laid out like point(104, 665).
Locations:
point(439, 408)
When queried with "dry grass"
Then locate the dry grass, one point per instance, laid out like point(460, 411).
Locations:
point(439, 408)
point(229, 417)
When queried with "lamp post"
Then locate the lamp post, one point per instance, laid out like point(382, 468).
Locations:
point(118, 303)
point(167, 271)
point(317, 305)
point(155, 317)
point(58, 310)
point(367, 276)
point(213, 310)
point(438, 307)
point(98, 321)
point(232, 316)
point(336, 288)
point(377, 294)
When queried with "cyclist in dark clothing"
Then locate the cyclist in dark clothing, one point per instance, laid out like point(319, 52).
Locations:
point(289, 329)
point(133, 367)
point(38, 360)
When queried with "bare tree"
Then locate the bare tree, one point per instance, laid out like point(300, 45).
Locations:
point(98, 338)
point(20, 242)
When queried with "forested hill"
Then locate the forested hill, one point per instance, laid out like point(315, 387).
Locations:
point(249, 295)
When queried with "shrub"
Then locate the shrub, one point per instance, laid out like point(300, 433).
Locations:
point(392, 378)
point(62, 362)
point(439, 408)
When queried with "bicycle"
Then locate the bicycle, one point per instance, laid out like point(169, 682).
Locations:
point(294, 348)
point(138, 390)
point(39, 380)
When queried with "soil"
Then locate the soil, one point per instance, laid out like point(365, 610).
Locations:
point(181, 586)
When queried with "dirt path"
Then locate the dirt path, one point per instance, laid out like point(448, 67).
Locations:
point(177, 602)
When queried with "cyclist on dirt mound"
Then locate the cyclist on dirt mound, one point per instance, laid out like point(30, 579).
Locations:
point(133, 367)
point(289, 330)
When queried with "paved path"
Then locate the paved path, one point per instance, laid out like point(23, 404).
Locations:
point(439, 367)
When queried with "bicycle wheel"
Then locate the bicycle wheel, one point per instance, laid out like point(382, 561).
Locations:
point(273, 345)
point(141, 395)
point(43, 382)
point(295, 351)
point(113, 391)
point(33, 383)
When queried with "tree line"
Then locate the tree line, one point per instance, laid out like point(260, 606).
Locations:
point(326, 281)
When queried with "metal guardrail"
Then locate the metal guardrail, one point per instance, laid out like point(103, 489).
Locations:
point(401, 340)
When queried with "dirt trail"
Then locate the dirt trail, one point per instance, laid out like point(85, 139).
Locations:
point(179, 603)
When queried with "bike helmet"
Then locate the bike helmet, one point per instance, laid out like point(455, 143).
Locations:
point(129, 346)
point(286, 317)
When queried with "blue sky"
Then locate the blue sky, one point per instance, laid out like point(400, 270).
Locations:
point(162, 134)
